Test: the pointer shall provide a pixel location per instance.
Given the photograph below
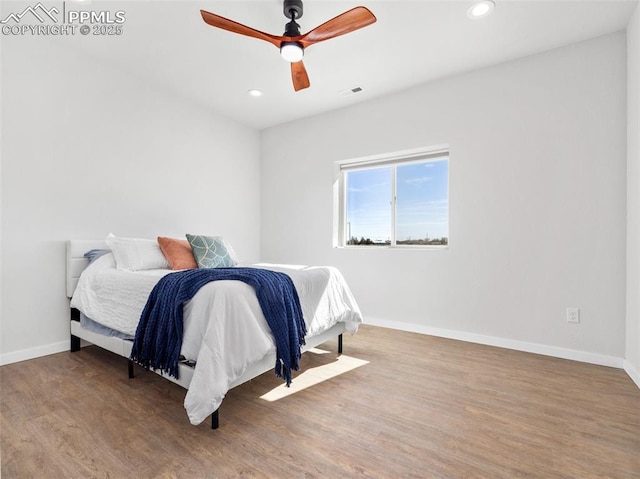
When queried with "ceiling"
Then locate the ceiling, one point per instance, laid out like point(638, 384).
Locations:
point(167, 43)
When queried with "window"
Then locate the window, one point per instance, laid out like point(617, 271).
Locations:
point(394, 200)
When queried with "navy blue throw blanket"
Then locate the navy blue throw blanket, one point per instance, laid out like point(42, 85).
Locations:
point(159, 335)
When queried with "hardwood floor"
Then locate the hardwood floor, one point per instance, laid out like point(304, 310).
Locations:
point(414, 406)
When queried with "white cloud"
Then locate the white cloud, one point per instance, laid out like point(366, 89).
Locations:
point(368, 188)
point(419, 181)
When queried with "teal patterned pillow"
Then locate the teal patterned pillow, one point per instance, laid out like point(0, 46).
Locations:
point(212, 251)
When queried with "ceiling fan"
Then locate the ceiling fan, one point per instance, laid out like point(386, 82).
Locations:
point(292, 43)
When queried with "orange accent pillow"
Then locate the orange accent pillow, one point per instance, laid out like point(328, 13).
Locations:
point(178, 253)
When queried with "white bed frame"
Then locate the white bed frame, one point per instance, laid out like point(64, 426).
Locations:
point(76, 263)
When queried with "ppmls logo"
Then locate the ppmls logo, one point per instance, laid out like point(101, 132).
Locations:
point(51, 13)
point(40, 20)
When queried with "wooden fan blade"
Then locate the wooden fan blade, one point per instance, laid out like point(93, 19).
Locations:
point(299, 76)
point(235, 27)
point(346, 22)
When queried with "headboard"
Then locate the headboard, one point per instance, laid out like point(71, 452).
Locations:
point(76, 262)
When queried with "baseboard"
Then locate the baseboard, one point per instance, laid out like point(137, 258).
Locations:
point(32, 353)
point(535, 348)
point(582, 356)
point(632, 372)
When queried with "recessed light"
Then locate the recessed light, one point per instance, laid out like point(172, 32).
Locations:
point(481, 9)
point(254, 92)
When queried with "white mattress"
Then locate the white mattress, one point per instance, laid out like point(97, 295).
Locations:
point(224, 328)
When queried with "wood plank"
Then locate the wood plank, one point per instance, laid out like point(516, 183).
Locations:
point(420, 406)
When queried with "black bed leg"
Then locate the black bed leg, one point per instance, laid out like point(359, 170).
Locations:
point(130, 365)
point(75, 343)
point(340, 344)
point(215, 420)
point(74, 315)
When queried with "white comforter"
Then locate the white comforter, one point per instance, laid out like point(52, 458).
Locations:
point(224, 328)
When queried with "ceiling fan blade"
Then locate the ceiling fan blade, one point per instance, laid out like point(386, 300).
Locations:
point(299, 76)
point(346, 22)
point(235, 27)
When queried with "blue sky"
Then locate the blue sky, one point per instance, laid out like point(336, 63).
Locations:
point(422, 201)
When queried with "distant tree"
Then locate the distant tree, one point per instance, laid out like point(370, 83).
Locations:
point(354, 241)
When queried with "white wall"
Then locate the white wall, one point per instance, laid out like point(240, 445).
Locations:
point(632, 364)
point(87, 150)
point(537, 202)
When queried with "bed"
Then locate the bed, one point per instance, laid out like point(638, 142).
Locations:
point(226, 338)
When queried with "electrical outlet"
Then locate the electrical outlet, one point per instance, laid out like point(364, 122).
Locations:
point(573, 315)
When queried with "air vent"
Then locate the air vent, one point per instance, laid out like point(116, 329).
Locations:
point(350, 91)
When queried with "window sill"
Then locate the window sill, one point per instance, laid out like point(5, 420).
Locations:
point(395, 247)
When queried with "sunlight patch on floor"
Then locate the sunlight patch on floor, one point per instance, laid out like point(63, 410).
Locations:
point(313, 376)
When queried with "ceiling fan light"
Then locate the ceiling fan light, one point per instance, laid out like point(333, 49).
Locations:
point(481, 9)
point(291, 51)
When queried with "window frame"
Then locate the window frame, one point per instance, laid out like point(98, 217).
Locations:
point(395, 159)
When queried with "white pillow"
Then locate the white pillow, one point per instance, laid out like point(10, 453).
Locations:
point(133, 254)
